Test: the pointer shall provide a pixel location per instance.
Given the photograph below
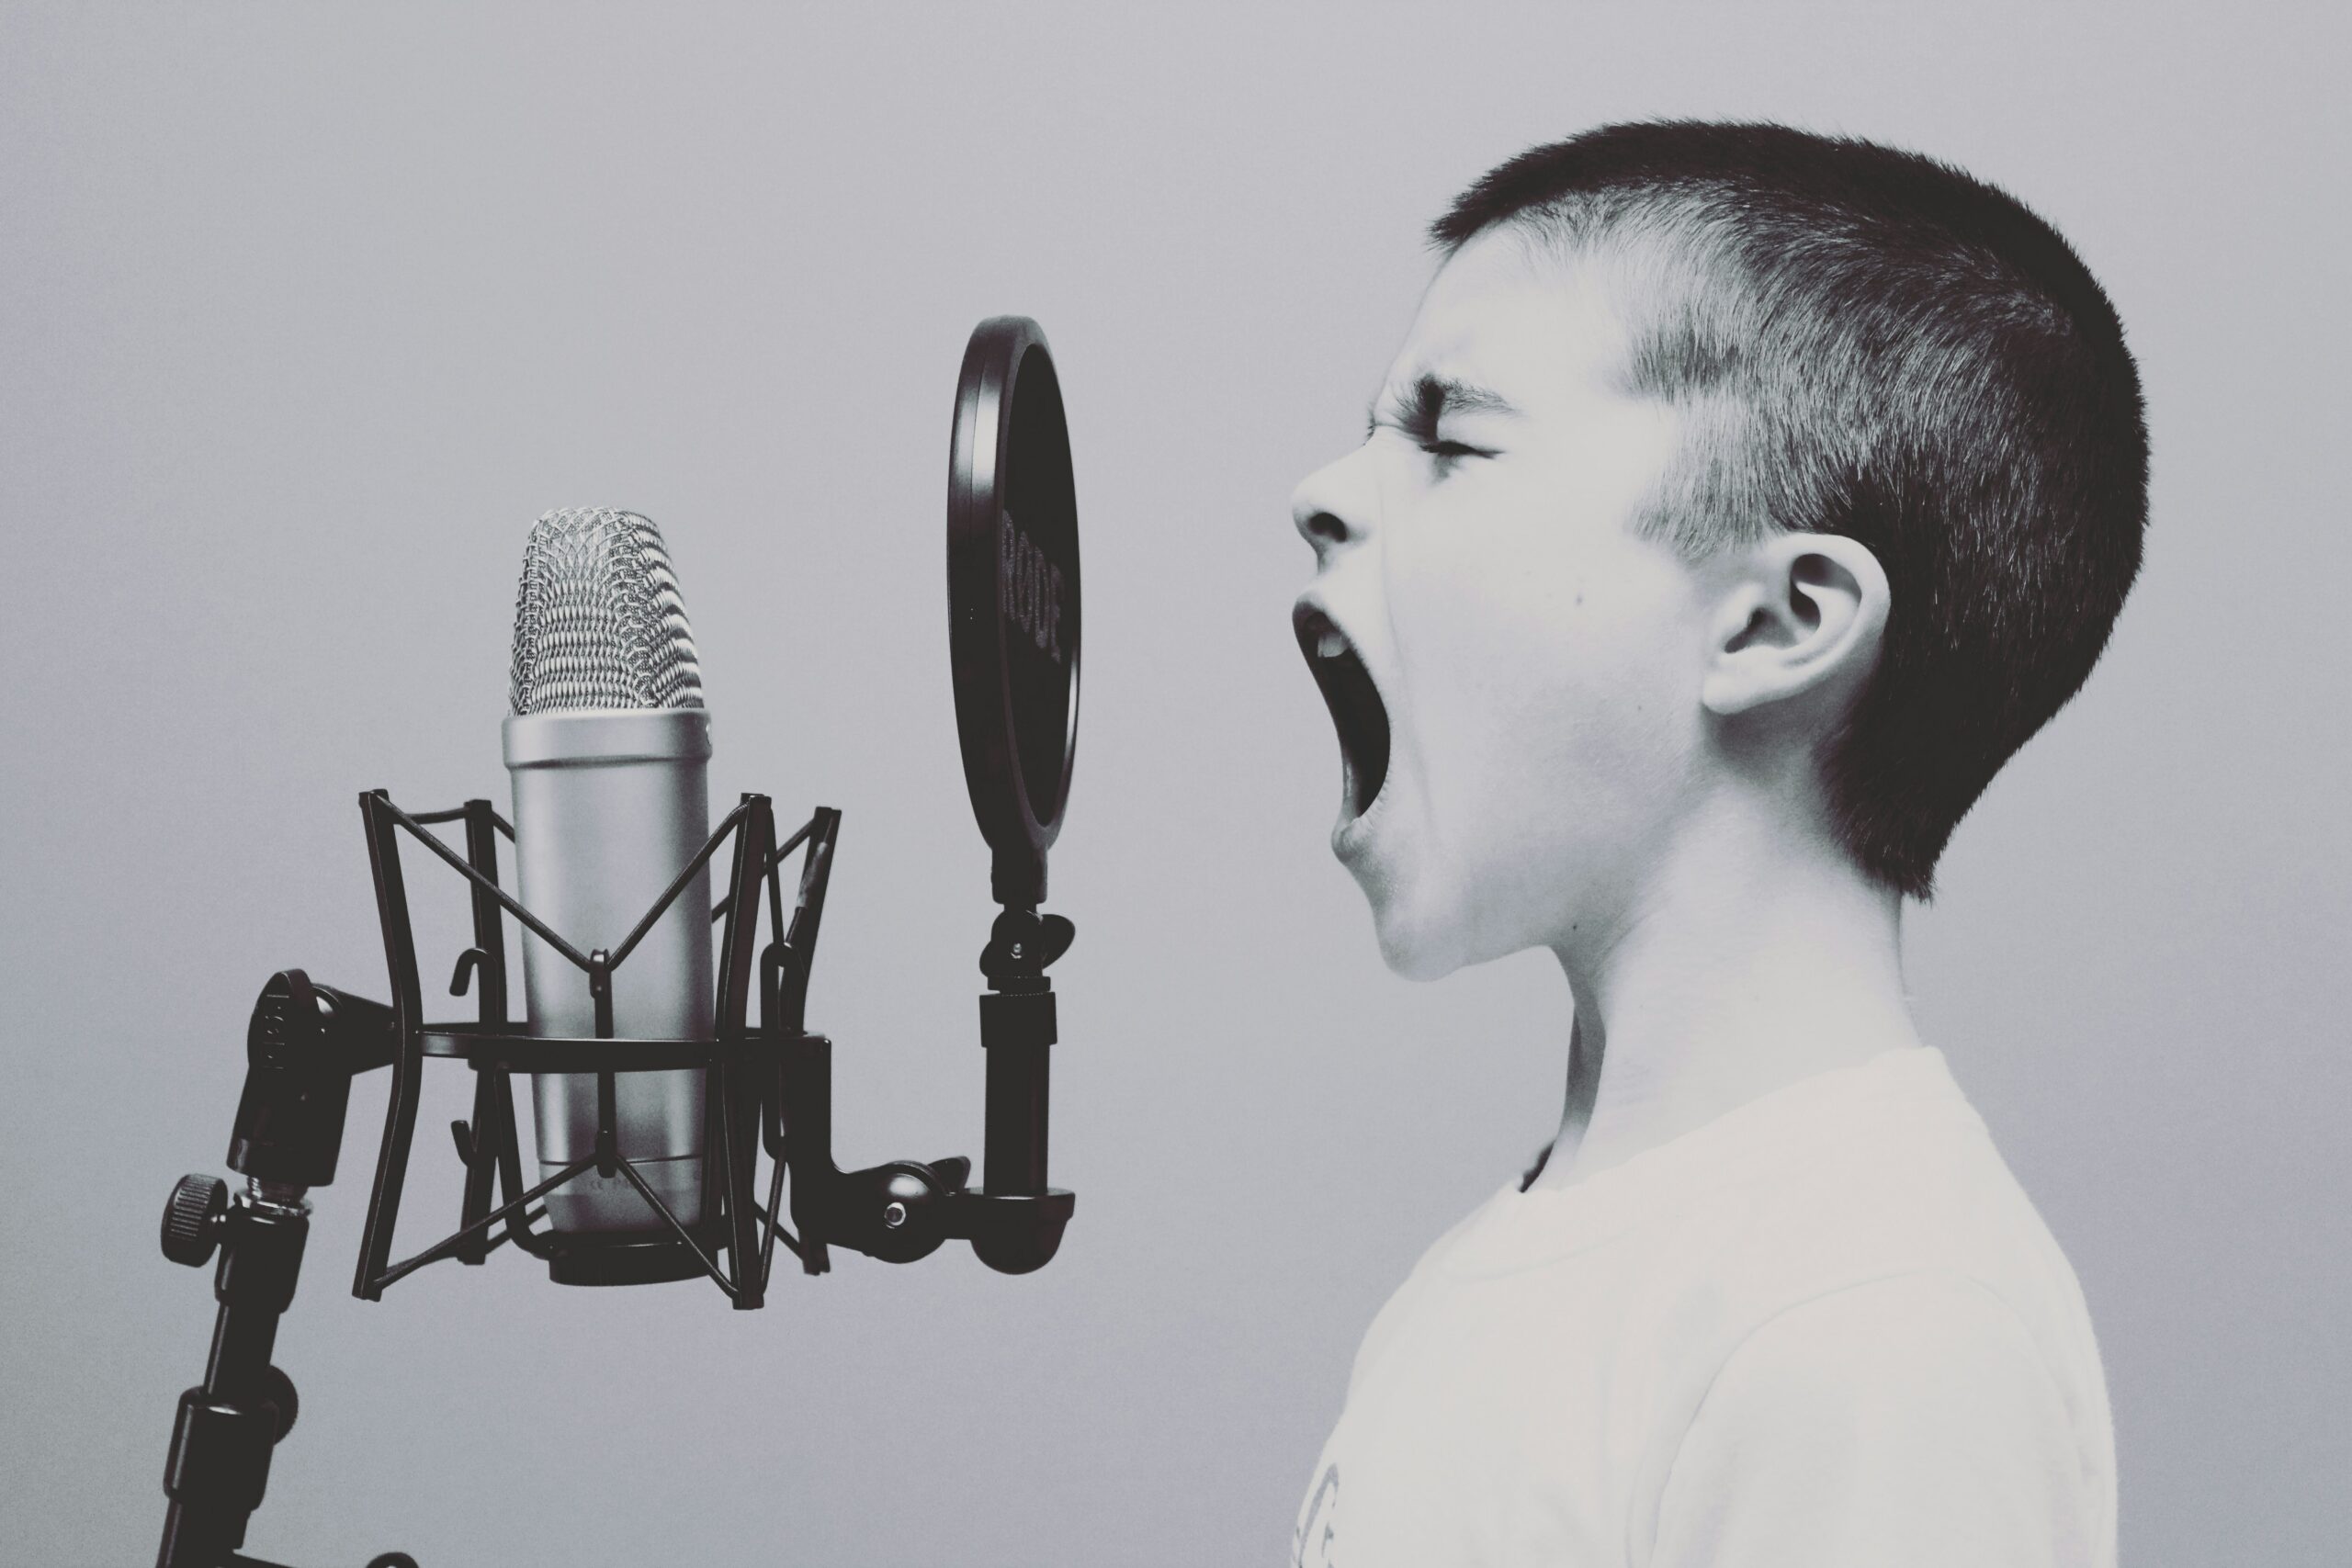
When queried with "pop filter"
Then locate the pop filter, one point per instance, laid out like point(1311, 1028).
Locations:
point(1013, 598)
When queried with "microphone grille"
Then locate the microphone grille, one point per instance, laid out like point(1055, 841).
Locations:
point(598, 621)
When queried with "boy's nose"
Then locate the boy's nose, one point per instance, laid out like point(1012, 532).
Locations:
point(1333, 506)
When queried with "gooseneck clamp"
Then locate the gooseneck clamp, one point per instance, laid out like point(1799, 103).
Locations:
point(303, 1047)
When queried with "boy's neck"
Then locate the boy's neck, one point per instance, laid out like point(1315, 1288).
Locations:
point(1753, 959)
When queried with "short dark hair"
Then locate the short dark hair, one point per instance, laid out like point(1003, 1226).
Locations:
point(1869, 342)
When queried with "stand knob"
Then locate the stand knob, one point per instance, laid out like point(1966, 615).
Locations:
point(277, 1393)
point(192, 1219)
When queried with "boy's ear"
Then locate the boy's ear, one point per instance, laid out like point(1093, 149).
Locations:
point(1797, 614)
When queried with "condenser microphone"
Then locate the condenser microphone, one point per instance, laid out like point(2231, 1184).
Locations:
point(609, 748)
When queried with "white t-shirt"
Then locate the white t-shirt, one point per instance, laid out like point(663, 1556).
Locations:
point(1826, 1330)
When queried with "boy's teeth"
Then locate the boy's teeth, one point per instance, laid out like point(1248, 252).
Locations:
point(1331, 645)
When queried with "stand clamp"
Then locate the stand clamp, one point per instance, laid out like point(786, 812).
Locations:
point(904, 1210)
point(304, 1046)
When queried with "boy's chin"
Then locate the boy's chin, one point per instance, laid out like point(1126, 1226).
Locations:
point(1417, 943)
point(1427, 932)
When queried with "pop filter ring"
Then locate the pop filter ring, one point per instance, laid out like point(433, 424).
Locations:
point(1012, 596)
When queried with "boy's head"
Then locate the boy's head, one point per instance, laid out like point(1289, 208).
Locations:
point(1719, 457)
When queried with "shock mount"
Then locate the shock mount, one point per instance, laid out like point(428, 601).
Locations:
point(770, 1091)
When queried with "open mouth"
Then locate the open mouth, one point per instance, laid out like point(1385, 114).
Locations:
point(1356, 708)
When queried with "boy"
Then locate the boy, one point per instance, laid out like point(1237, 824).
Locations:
point(1740, 501)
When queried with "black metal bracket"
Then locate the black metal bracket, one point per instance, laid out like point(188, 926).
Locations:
point(904, 1210)
point(496, 1047)
point(771, 1088)
point(771, 1083)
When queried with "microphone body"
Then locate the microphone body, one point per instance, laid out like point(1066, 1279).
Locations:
point(609, 805)
point(609, 750)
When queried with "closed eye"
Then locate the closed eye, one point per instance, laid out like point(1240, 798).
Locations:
point(1418, 413)
point(1452, 451)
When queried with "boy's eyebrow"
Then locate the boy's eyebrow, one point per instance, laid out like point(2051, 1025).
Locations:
point(1432, 397)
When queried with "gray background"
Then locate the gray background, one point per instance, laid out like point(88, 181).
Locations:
point(305, 314)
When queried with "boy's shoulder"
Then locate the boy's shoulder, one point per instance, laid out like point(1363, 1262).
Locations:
point(1842, 1276)
point(1887, 1273)
point(1866, 1189)
point(1876, 1173)
point(1889, 1172)
point(1871, 1170)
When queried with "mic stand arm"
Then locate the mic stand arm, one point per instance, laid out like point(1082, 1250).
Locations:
point(305, 1044)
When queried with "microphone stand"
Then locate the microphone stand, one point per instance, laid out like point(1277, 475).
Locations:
point(305, 1044)
point(771, 1086)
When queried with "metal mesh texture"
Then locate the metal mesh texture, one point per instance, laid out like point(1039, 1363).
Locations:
point(598, 622)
